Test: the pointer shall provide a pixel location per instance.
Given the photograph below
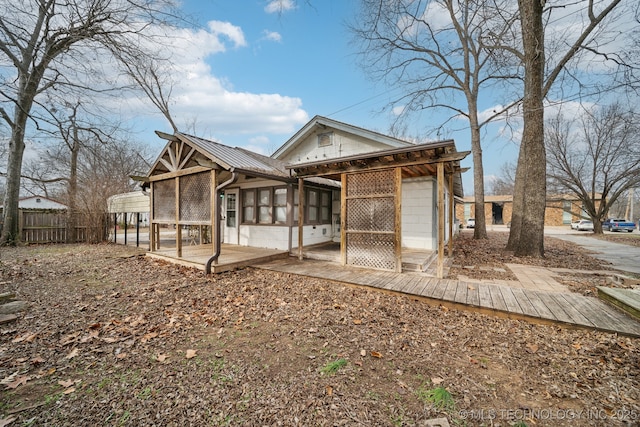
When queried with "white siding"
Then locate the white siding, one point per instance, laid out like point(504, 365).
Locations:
point(417, 213)
point(344, 144)
point(277, 237)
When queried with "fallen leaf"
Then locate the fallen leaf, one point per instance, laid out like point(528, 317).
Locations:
point(69, 390)
point(68, 339)
point(376, 354)
point(329, 390)
point(67, 383)
point(437, 380)
point(191, 354)
point(28, 337)
point(73, 354)
point(363, 353)
point(21, 380)
point(37, 360)
point(532, 348)
point(576, 345)
point(7, 421)
point(121, 356)
point(357, 321)
point(148, 336)
point(162, 357)
point(10, 378)
point(95, 326)
point(471, 288)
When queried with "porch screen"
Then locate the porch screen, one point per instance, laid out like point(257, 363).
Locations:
point(370, 219)
point(195, 198)
point(164, 200)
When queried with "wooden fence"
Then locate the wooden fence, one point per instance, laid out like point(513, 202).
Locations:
point(59, 227)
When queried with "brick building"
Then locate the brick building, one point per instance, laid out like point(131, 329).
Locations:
point(561, 209)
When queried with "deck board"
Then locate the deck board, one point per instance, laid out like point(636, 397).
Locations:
point(450, 292)
point(525, 304)
point(510, 300)
point(497, 299)
point(484, 294)
point(461, 293)
point(473, 295)
point(535, 305)
point(553, 306)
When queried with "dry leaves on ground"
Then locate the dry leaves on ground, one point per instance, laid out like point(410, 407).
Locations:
point(263, 340)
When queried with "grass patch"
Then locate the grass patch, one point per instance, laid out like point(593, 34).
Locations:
point(439, 397)
point(333, 367)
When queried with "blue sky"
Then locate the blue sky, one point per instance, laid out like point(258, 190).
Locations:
point(257, 76)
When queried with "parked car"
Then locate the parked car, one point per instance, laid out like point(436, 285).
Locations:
point(574, 224)
point(471, 223)
point(616, 224)
point(584, 225)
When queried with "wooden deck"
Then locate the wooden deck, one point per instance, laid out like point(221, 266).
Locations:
point(231, 256)
point(568, 309)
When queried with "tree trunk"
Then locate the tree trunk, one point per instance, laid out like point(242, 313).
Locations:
point(73, 186)
point(480, 229)
point(10, 231)
point(531, 190)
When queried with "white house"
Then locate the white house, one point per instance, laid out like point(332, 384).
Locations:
point(331, 181)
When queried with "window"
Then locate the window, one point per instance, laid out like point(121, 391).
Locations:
point(248, 206)
point(280, 205)
point(231, 209)
point(318, 208)
point(264, 206)
point(312, 206)
point(325, 139)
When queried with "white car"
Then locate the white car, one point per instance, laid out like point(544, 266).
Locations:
point(574, 225)
point(471, 223)
point(584, 225)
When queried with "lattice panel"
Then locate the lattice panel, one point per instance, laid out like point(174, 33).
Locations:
point(195, 197)
point(371, 250)
point(371, 214)
point(370, 219)
point(164, 200)
point(371, 183)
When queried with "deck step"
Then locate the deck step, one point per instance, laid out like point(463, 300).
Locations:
point(625, 299)
point(419, 266)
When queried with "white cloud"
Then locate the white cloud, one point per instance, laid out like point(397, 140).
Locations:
point(232, 32)
point(398, 110)
point(211, 101)
point(272, 36)
point(280, 6)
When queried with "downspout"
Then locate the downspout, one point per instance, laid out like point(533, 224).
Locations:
point(216, 222)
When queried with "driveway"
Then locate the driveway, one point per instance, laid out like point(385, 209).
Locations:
point(622, 257)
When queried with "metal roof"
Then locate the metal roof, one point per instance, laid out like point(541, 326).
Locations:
point(237, 159)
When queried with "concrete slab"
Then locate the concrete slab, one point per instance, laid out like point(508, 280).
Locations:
point(621, 257)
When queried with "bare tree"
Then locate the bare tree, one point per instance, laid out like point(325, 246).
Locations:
point(583, 41)
point(439, 53)
point(599, 161)
point(503, 184)
point(51, 44)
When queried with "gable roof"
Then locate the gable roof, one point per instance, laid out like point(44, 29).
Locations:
point(324, 122)
point(195, 151)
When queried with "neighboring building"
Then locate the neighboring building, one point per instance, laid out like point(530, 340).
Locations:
point(561, 209)
point(126, 204)
point(373, 193)
point(40, 203)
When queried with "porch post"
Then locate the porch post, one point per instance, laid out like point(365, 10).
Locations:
point(152, 225)
point(178, 228)
point(398, 219)
point(343, 219)
point(440, 179)
point(300, 216)
point(451, 208)
point(214, 195)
